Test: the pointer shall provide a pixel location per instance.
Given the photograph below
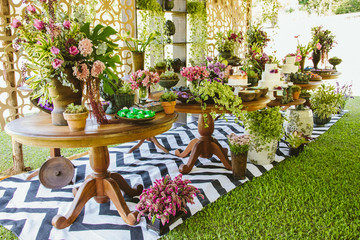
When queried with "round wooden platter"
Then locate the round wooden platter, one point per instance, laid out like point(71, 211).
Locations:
point(330, 76)
point(311, 85)
point(196, 108)
point(277, 102)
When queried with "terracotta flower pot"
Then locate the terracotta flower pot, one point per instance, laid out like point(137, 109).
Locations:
point(169, 107)
point(296, 95)
point(76, 121)
point(238, 163)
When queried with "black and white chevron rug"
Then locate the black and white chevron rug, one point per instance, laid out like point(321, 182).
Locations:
point(27, 208)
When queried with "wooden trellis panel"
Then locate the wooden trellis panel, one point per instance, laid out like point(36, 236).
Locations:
point(223, 15)
point(120, 14)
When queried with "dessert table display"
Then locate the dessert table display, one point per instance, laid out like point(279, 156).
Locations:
point(37, 130)
point(206, 145)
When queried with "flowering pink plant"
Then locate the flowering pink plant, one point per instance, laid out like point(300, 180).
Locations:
point(53, 40)
point(194, 74)
point(143, 78)
point(239, 144)
point(166, 197)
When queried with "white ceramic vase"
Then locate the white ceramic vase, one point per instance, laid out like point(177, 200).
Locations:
point(262, 154)
point(299, 120)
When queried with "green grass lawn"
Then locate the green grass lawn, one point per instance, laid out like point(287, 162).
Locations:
point(313, 196)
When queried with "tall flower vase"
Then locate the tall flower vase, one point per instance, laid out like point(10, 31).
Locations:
point(238, 164)
point(63, 96)
point(302, 64)
point(316, 57)
point(138, 59)
point(143, 95)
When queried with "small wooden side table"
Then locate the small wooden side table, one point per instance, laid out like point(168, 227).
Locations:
point(206, 146)
point(37, 130)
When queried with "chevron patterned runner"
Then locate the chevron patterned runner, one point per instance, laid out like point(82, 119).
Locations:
point(27, 208)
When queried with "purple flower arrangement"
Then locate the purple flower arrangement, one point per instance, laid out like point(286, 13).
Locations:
point(166, 198)
point(218, 71)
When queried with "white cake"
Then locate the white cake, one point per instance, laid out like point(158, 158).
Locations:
point(289, 66)
point(270, 77)
point(238, 79)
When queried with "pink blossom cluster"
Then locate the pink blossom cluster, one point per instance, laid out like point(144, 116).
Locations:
point(166, 197)
point(238, 139)
point(82, 71)
point(194, 74)
point(85, 47)
point(143, 78)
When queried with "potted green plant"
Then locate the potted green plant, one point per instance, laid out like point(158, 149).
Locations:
point(306, 95)
point(165, 201)
point(265, 127)
point(324, 102)
point(175, 64)
point(137, 47)
point(226, 42)
point(76, 116)
point(335, 61)
point(169, 28)
point(124, 96)
point(296, 142)
point(253, 77)
point(168, 79)
point(296, 90)
point(346, 93)
point(160, 67)
point(239, 146)
point(168, 101)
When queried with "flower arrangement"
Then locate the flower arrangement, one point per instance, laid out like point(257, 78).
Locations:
point(143, 79)
point(218, 71)
point(195, 74)
point(345, 91)
point(256, 60)
point(303, 51)
point(54, 40)
point(296, 139)
point(226, 42)
point(323, 40)
point(166, 197)
point(138, 45)
point(238, 144)
point(256, 36)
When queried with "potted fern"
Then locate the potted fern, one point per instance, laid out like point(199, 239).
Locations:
point(324, 102)
point(265, 127)
point(168, 101)
point(296, 90)
point(76, 116)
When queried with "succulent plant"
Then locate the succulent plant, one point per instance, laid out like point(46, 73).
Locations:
point(72, 108)
point(300, 78)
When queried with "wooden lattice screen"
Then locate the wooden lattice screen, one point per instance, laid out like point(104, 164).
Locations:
point(120, 14)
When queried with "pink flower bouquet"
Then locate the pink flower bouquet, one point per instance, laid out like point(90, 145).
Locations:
point(194, 74)
point(143, 78)
point(166, 197)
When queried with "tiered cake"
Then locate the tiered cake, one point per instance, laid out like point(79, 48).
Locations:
point(270, 77)
point(289, 66)
point(238, 79)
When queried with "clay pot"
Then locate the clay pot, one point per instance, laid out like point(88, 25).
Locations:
point(169, 107)
point(76, 121)
point(296, 95)
point(321, 121)
point(63, 96)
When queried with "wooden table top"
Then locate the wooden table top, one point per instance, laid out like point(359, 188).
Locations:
point(310, 85)
point(37, 130)
point(277, 102)
point(196, 108)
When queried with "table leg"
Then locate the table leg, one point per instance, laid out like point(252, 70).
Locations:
point(152, 139)
point(103, 186)
point(206, 146)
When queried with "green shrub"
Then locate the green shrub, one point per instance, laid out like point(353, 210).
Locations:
point(348, 6)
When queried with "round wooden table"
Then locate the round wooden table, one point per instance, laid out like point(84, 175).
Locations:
point(311, 85)
point(37, 130)
point(277, 102)
point(206, 146)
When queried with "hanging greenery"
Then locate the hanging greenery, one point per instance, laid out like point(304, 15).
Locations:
point(198, 30)
point(269, 11)
point(152, 18)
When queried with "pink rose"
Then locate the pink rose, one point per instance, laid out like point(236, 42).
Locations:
point(54, 50)
point(57, 63)
point(38, 24)
point(318, 46)
point(15, 23)
point(73, 50)
point(31, 9)
point(67, 24)
point(98, 68)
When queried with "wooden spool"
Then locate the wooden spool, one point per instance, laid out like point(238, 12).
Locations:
point(56, 172)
